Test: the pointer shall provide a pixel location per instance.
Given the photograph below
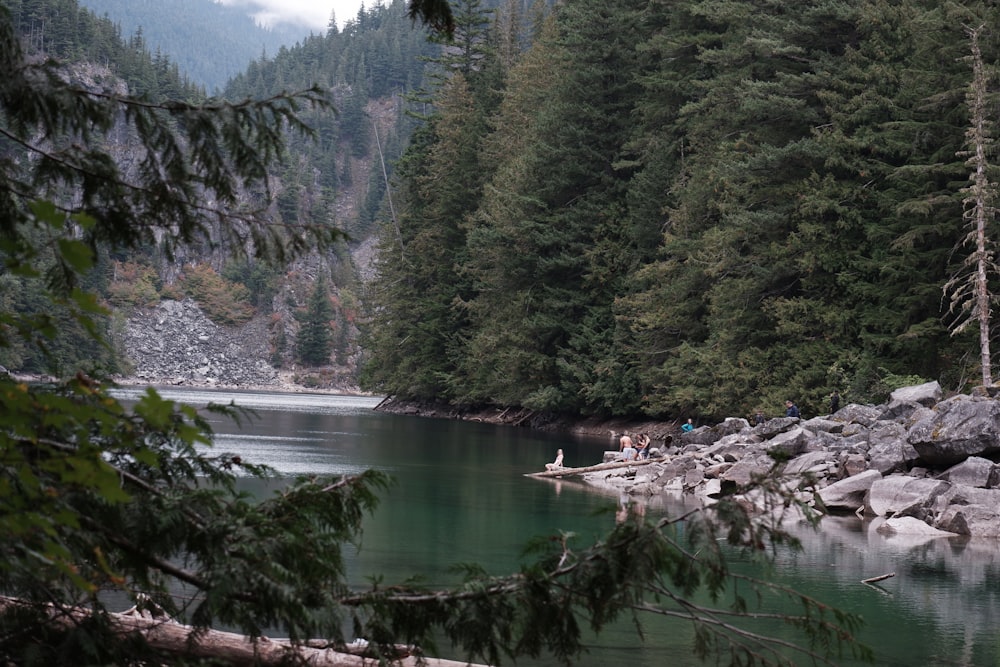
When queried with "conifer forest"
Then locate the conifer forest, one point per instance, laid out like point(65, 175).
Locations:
point(634, 208)
point(694, 207)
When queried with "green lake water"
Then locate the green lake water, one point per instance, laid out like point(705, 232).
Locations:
point(460, 495)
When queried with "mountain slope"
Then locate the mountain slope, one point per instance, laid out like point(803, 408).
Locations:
point(209, 41)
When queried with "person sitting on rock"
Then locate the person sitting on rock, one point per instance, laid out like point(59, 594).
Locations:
point(558, 463)
point(689, 426)
point(791, 410)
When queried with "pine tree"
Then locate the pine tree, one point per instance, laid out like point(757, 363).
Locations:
point(314, 342)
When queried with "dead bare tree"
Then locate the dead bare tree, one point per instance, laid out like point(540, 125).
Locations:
point(970, 295)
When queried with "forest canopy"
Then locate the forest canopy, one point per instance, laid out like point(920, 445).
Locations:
point(690, 207)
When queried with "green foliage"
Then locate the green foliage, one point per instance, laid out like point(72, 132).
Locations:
point(315, 338)
point(222, 301)
point(133, 285)
point(259, 278)
point(693, 208)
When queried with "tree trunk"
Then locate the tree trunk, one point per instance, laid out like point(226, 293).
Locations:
point(168, 635)
point(610, 465)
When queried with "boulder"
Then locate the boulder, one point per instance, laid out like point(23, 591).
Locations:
point(969, 511)
point(822, 425)
point(773, 427)
point(907, 525)
point(853, 464)
point(853, 413)
point(888, 450)
point(747, 468)
point(974, 471)
point(790, 443)
point(899, 410)
point(902, 495)
point(961, 427)
point(926, 394)
point(814, 463)
point(849, 494)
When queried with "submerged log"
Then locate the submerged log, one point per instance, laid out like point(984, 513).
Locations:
point(881, 577)
point(170, 636)
point(610, 465)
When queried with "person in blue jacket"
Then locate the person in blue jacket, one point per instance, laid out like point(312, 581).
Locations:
point(688, 427)
point(791, 410)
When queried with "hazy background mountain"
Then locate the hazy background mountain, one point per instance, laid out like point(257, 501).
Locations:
point(210, 42)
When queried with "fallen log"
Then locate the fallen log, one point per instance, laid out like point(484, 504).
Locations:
point(170, 636)
point(610, 465)
point(872, 580)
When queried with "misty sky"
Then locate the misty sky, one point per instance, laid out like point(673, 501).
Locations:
point(314, 14)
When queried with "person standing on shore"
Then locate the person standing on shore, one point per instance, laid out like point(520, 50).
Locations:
point(834, 401)
point(642, 445)
point(624, 442)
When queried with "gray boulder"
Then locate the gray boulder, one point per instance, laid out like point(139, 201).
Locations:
point(790, 443)
point(744, 470)
point(823, 425)
point(849, 494)
point(813, 463)
point(961, 426)
point(907, 525)
point(899, 410)
point(969, 511)
point(773, 427)
point(853, 413)
point(888, 450)
point(974, 471)
point(902, 495)
point(926, 394)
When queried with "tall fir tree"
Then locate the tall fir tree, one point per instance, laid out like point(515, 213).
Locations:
point(314, 343)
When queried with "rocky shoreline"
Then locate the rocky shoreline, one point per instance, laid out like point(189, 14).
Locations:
point(542, 421)
point(915, 465)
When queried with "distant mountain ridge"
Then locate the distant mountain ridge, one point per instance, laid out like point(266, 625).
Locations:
point(209, 41)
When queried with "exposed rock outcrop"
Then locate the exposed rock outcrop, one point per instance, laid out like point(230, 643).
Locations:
point(174, 343)
point(915, 460)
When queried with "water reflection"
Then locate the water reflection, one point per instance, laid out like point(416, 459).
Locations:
point(461, 495)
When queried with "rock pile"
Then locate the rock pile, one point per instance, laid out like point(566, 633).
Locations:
point(175, 343)
point(919, 464)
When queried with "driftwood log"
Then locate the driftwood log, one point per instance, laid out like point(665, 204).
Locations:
point(167, 635)
point(610, 465)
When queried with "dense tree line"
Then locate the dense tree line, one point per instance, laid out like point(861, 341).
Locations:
point(687, 207)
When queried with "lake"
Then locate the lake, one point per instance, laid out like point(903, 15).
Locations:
point(460, 495)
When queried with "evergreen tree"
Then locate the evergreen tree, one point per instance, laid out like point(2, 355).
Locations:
point(546, 249)
point(314, 343)
point(416, 333)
